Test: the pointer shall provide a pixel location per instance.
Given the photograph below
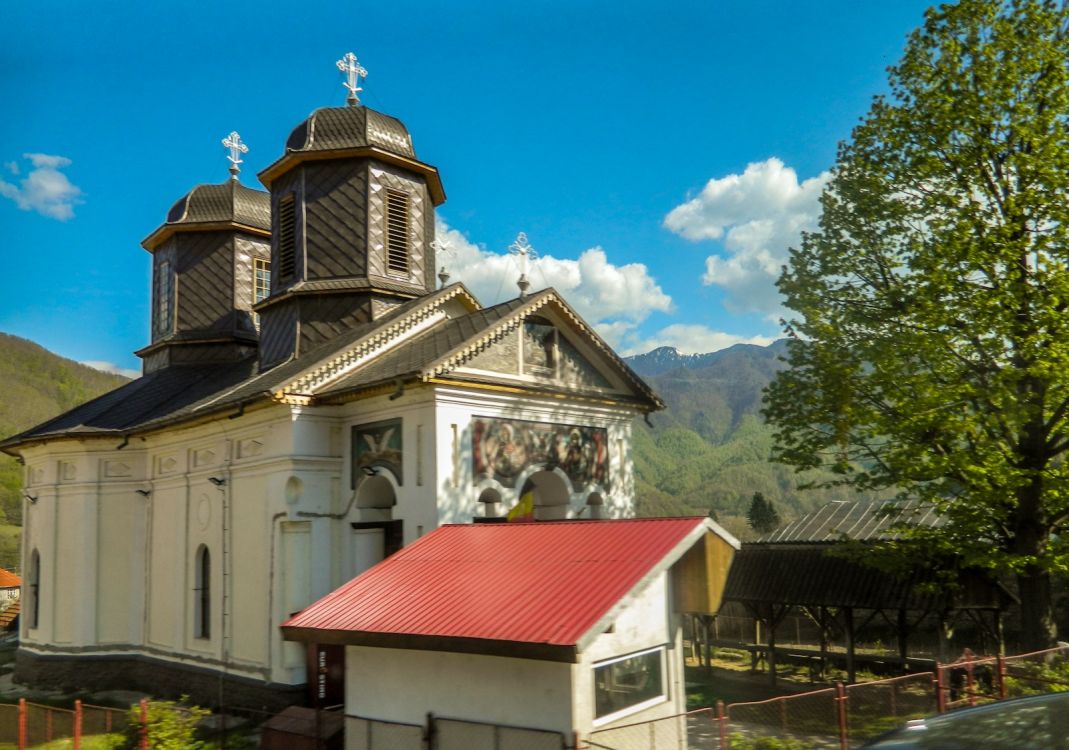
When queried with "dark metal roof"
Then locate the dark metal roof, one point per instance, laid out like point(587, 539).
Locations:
point(226, 202)
point(413, 356)
point(186, 392)
point(814, 575)
point(858, 521)
point(333, 128)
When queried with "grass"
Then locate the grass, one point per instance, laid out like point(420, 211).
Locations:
point(90, 742)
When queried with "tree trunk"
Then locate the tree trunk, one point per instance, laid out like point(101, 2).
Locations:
point(1038, 629)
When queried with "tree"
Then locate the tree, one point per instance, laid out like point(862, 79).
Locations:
point(929, 345)
point(762, 516)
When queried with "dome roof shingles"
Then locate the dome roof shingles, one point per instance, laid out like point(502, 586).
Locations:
point(334, 128)
point(226, 202)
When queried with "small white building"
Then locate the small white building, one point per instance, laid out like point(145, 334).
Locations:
point(570, 626)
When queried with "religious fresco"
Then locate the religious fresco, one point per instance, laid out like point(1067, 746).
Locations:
point(377, 444)
point(503, 448)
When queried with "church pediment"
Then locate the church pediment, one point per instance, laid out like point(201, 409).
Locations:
point(544, 343)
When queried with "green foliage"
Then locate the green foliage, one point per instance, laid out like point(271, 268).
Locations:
point(171, 725)
point(709, 450)
point(929, 350)
point(737, 741)
point(762, 515)
point(38, 385)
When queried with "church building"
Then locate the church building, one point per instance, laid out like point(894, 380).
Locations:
point(312, 400)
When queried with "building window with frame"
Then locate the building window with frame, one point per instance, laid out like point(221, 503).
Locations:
point(539, 348)
point(202, 595)
point(164, 294)
point(261, 279)
point(397, 232)
point(34, 610)
point(287, 238)
point(628, 684)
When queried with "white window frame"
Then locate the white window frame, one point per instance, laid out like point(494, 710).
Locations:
point(634, 709)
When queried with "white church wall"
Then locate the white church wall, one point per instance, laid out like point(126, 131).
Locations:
point(404, 685)
point(458, 490)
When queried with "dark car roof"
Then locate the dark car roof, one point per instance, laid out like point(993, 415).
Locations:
point(1035, 722)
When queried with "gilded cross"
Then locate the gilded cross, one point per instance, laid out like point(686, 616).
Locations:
point(353, 71)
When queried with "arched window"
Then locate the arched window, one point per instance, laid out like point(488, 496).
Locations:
point(35, 590)
point(202, 609)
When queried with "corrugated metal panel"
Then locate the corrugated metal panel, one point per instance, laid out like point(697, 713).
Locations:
point(858, 521)
point(545, 583)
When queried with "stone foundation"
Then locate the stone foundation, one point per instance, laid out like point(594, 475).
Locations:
point(160, 679)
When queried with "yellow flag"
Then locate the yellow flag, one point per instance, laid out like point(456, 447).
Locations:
point(524, 509)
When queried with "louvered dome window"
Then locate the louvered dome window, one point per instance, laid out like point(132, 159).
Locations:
point(287, 238)
point(397, 233)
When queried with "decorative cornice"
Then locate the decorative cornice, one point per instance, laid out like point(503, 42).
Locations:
point(371, 346)
point(510, 322)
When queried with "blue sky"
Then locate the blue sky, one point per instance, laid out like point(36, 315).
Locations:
point(660, 157)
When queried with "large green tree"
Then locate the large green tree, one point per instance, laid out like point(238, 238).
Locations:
point(929, 343)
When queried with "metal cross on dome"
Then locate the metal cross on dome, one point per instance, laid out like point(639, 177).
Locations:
point(523, 249)
point(237, 148)
point(442, 251)
point(353, 71)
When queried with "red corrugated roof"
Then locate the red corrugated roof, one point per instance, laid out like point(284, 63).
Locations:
point(539, 583)
point(8, 579)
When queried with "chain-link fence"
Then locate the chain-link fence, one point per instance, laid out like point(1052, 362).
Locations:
point(874, 707)
point(671, 732)
point(812, 718)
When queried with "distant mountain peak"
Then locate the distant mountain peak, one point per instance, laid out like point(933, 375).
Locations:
point(668, 358)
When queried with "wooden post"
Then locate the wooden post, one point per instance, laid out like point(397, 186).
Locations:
point(940, 689)
point(143, 740)
point(848, 627)
point(722, 721)
point(903, 637)
point(1000, 662)
point(771, 646)
point(840, 703)
point(22, 724)
point(77, 725)
point(822, 624)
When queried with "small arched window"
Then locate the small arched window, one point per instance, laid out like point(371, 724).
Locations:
point(35, 590)
point(202, 594)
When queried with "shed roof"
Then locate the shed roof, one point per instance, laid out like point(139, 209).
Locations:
point(856, 521)
point(536, 590)
point(8, 579)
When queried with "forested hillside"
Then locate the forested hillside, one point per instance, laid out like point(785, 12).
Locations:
point(35, 385)
point(709, 449)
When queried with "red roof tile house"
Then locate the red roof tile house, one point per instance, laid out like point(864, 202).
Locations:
point(563, 626)
point(10, 586)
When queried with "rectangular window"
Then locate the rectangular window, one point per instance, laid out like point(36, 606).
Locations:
point(396, 232)
point(287, 238)
point(628, 684)
point(261, 279)
point(164, 294)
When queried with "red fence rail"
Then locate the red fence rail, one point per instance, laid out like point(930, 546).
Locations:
point(844, 716)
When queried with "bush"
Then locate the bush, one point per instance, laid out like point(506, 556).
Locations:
point(171, 726)
point(738, 741)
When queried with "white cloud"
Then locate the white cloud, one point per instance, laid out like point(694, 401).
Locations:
point(757, 216)
point(688, 338)
point(112, 368)
point(44, 189)
point(608, 296)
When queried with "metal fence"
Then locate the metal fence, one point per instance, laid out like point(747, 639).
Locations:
point(845, 716)
point(670, 732)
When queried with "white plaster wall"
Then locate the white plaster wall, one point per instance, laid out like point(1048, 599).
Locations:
point(402, 685)
point(645, 621)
